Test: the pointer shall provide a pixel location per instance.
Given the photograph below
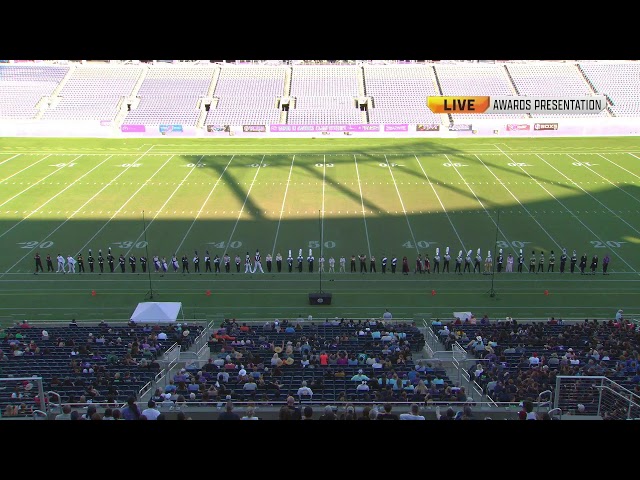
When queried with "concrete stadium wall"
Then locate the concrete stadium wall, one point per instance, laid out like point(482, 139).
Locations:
point(499, 128)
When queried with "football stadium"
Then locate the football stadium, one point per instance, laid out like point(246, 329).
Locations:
point(264, 240)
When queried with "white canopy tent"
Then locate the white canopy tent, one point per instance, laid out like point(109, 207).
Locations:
point(157, 312)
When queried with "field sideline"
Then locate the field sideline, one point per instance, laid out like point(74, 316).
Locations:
point(336, 196)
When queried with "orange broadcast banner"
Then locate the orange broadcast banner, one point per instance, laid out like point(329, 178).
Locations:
point(458, 104)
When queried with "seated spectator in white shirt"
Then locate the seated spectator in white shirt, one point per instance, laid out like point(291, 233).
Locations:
point(534, 361)
point(305, 391)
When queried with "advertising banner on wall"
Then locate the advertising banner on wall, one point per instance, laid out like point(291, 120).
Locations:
point(396, 127)
point(324, 128)
point(427, 127)
point(218, 128)
point(460, 127)
point(545, 126)
point(132, 128)
point(170, 128)
point(254, 128)
point(515, 127)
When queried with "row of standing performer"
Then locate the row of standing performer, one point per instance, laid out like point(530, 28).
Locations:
point(253, 265)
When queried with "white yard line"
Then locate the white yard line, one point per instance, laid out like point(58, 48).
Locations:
point(61, 191)
point(604, 178)
point(72, 215)
point(479, 201)
point(585, 191)
point(10, 158)
point(203, 205)
point(364, 215)
point(614, 163)
point(275, 240)
point(525, 208)
point(440, 201)
point(404, 210)
point(35, 183)
point(164, 205)
point(243, 205)
point(125, 203)
point(29, 166)
point(568, 211)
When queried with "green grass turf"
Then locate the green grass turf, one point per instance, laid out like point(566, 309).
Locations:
point(373, 196)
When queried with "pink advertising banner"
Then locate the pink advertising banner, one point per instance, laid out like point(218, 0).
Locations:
point(132, 128)
point(324, 128)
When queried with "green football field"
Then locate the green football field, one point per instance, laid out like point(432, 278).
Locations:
point(342, 196)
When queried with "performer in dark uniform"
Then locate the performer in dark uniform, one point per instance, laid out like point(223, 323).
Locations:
point(132, 263)
point(353, 263)
point(384, 264)
point(447, 258)
point(583, 263)
point(532, 262)
point(520, 261)
point(91, 261)
point(552, 262)
point(574, 259)
point(100, 261)
point(477, 262)
point(279, 262)
point(49, 263)
point(500, 260)
point(143, 263)
point(227, 262)
point(290, 262)
point(594, 264)
point(207, 262)
point(394, 264)
point(196, 262)
point(122, 261)
point(80, 263)
point(436, 261)
point(185, 264)
point(300, 260)
point(268, 259)
point(458, 263)
point(467, 262)
point(216, 264)
point(563, 260)
point(310, 260)
point(238, 261)
point(38, 263)
point(405, 265)
point(363, 263)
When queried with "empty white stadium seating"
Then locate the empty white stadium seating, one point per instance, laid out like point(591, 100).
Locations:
point(22, 87)
point(551, 80)
point(325, 94)
point(400, 93)
point(620, 82)
point(248, 95)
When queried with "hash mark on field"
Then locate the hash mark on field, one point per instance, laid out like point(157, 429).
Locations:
point(585, 191)
point(81, 206)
